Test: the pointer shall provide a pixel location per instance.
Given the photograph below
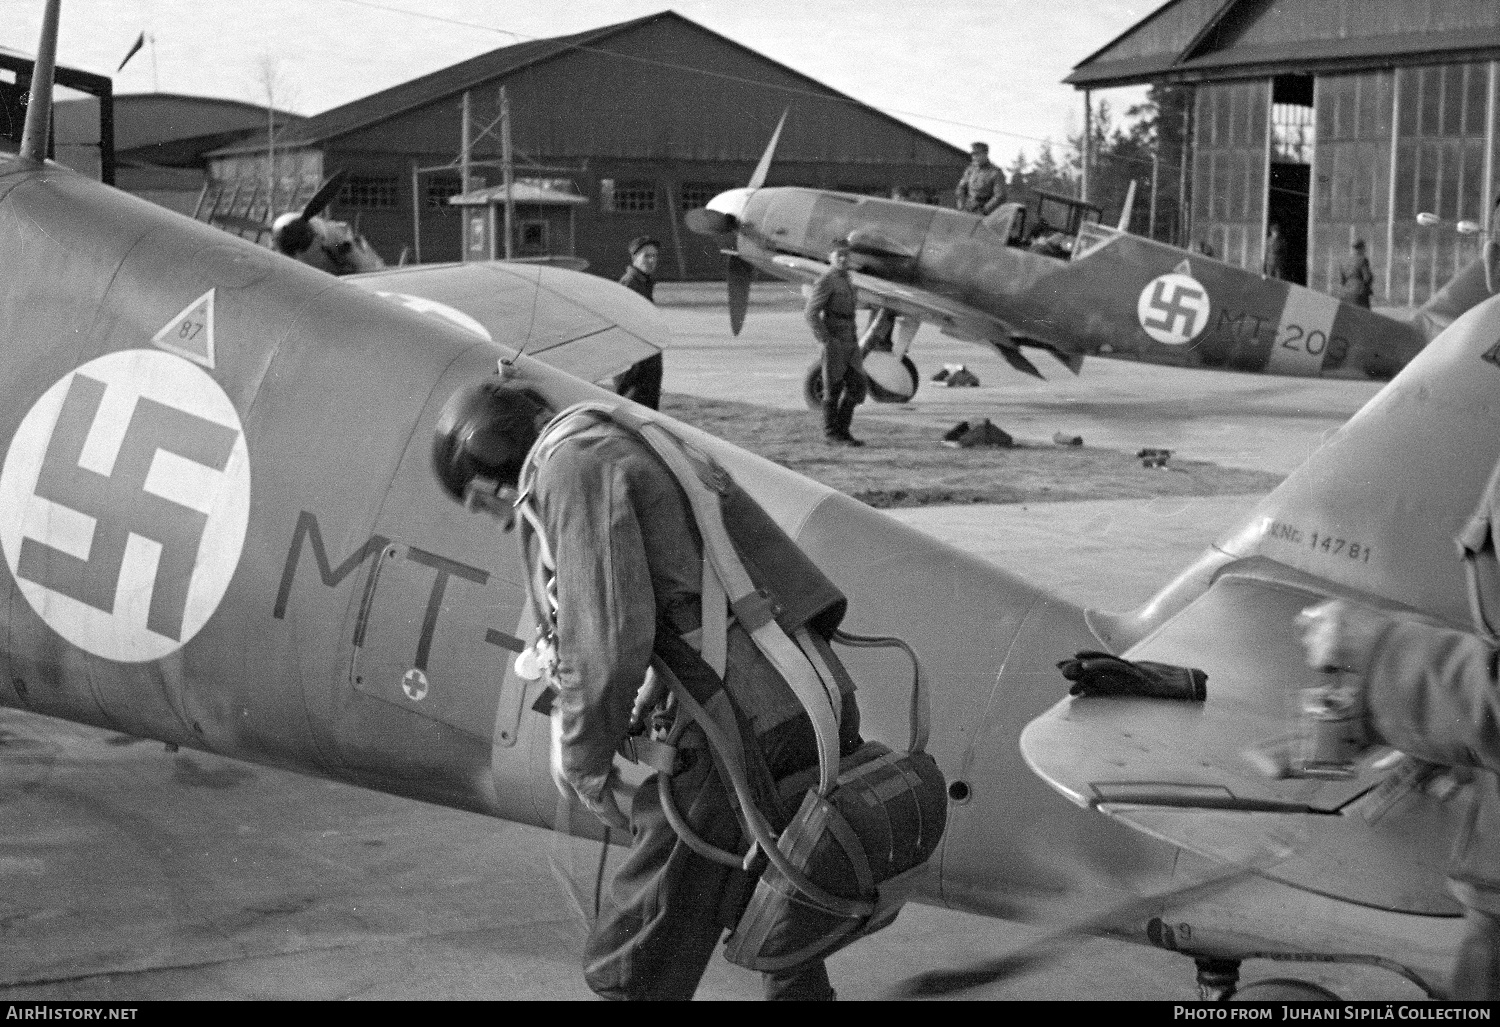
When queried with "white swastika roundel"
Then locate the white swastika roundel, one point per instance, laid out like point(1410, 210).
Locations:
point(1173, 309)
point(124, 500)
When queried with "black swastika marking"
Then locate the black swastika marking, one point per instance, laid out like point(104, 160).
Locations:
point(1173, 310)
point(121, 506)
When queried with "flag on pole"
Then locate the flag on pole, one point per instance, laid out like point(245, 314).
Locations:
point(135, 48)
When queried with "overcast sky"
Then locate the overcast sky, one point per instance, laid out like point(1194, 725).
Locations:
point(960, 69)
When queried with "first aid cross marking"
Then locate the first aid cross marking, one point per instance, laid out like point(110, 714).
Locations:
point(120, 504)
point(1184, 306)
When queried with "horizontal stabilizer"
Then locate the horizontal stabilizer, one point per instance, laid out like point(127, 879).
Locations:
point(1475, 282)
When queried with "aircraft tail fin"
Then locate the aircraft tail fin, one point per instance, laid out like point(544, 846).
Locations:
point(1373, 512)
point(39, 104)
point(1128, 210)
point(1475, 282)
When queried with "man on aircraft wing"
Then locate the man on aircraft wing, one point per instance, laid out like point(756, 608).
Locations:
point(982, 187)
point(1435, 693)
point(614, 555)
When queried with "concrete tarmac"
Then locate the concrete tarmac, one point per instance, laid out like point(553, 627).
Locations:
point(130, 873)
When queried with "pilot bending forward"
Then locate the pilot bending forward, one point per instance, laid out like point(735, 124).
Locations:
point(628, 564)
point(1435, 693)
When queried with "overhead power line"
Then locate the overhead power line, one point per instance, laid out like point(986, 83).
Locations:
point(790, 90)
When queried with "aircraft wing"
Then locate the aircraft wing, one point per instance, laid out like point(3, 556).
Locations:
point(1190, 773)
point(959, 320)
point(588, 326)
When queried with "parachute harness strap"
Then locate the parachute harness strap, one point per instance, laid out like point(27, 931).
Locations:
point(919, 714)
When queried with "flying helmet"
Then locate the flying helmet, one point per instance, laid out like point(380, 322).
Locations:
point(485, 431)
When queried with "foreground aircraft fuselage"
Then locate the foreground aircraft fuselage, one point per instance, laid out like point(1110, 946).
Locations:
point(221, 531)
point(1120, 295)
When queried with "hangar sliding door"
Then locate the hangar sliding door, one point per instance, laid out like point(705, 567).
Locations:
point(1444, 155)
point(1231, 140)
point(1351, 175)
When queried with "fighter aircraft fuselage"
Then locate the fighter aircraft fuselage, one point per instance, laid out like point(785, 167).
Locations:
point(1122, 296)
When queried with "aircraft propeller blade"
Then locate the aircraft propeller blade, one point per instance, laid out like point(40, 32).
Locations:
point(1129, 209)
point(325, 194)
point(764, 167)
point(703, 221)
point(737, 272)
point(1492, 266)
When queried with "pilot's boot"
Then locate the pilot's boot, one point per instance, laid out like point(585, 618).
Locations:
point(845, 419)
point(833, 432)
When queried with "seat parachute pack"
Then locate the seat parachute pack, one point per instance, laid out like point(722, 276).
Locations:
point(867, 841)
point(865, 824)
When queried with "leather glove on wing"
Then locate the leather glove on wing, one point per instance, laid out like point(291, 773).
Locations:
point(1096, 673)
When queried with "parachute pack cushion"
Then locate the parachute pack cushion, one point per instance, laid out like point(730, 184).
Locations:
point(865, 841)
point(963, 378)
point(1096, 673)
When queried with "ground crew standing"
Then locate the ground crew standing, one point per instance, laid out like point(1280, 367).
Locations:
point(830, 314)
point(612, 551)
point(1434, 693)
point(1356, 280)
point(642, 381)
point(982, 187)
point(1274, 264)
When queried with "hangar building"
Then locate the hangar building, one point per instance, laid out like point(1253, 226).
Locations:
point(160, 140)
point(646, 119)
point(1334, 118)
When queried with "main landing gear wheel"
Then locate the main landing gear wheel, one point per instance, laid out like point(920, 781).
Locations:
point(904, 390)
point(812, 386)
point(812, 382)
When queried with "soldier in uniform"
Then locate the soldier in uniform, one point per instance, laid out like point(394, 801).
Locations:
point(982, 187)
point(1274, 264)
point(1435, 693)
point(830, 314)
point(642, 381)
point(628, 573)
point(1356, 280)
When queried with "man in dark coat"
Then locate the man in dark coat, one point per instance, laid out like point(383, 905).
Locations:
point(1356, 280)
point(641, 382)
point(1274, 264)
point(830, 314)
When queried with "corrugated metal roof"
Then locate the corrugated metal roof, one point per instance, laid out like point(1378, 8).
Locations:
point(445, 82)
point(486, 68)
point(1240, 37)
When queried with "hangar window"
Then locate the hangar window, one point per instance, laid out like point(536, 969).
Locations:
point(635, 197)
point(697, 194)
point(440, 187)
point(369, 192)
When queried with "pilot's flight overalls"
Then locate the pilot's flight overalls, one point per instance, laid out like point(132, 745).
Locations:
point(830, 315)
point(629, 564)
point(1435, 693)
